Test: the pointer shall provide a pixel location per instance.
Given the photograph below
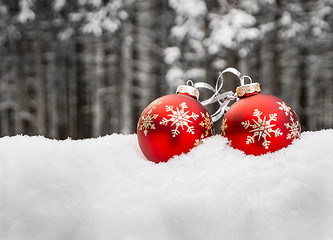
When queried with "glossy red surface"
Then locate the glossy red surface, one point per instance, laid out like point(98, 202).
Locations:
point(259, 124)
point(172, 125)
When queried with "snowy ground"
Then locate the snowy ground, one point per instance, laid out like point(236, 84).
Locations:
point(104, 188)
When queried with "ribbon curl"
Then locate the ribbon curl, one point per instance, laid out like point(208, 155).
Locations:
point(223, 99)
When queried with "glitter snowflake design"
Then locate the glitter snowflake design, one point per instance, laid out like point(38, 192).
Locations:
point(293, 126)
point(147, 122)
point(179, 118)
point(285, 108)
point(199, 141)
point(224, 126)
point(293, 130)
point(261, 128)
point(207, 123)
point(155, 103)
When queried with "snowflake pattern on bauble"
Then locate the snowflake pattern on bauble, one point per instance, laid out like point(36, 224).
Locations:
point(261, 128)
point(224, 126)
point(293, 130)
point(285, 108)
point(293, 126)
point(207, 123)
point(155, 103)
point(147, 122)
point(179, 118)
point(199, 141)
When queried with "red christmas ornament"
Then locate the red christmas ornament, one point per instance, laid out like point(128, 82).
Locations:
point(173, 124)
point(259, 123)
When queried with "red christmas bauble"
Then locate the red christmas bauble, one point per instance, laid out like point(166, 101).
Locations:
point(172, 125)
point(259, 123)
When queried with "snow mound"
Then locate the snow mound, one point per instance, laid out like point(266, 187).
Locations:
point(104, 188)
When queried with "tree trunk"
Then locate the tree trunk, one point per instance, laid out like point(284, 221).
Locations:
point(98, 111)
point(19, 87)
point(276, 70)
point(52, 108)
point(82, 118)
point(303, 98)
point(126, 111)
point(71, 90)
point(40, 85)
point(144, 63)
point(112, 79)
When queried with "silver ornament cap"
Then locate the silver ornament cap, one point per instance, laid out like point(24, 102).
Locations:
point(186, 89)
point(248, 89)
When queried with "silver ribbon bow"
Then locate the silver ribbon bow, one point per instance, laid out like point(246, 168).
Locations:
point(223, 99)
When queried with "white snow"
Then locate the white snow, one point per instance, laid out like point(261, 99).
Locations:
point(104, 188)
point(25, 14)
point(230, 30)
point(189, 20)
point(171, 55)
point(58, 5)
point(189, 8)
point(175, 76)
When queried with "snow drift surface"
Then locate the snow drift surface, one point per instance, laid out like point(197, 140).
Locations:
point(104, 188)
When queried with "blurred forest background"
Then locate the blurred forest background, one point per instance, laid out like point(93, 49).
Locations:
point(87, 68)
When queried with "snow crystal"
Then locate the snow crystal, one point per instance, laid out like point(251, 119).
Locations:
point(104, 188)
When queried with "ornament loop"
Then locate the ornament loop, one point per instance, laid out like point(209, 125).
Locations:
point(244, 77)
point(233, 71)
point(189, 83)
